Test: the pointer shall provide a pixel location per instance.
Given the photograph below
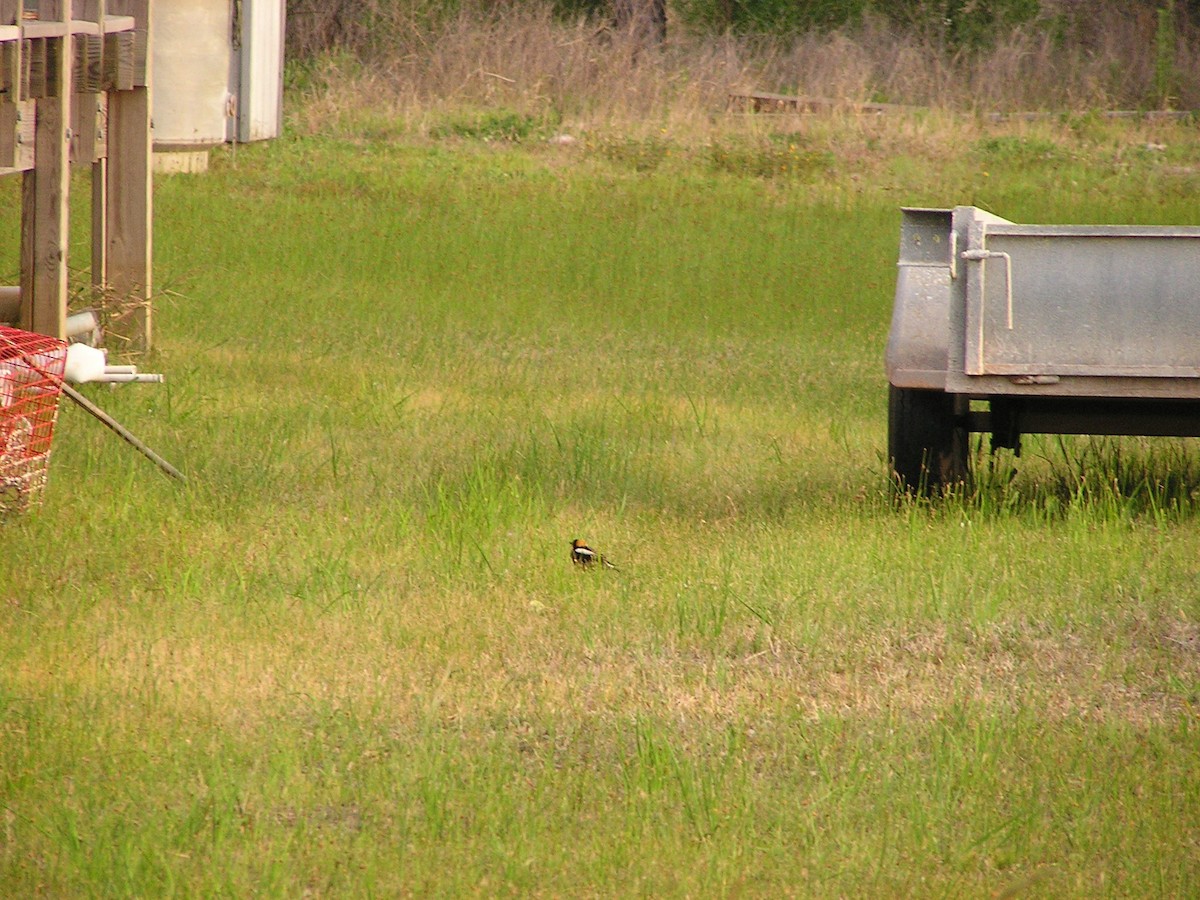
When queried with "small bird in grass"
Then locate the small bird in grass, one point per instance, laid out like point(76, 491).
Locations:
point(585, 556)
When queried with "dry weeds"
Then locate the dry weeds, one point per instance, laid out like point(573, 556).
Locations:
point(520, 57)
point(462, 674)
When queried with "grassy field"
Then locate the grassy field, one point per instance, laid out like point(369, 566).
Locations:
point(351, 656)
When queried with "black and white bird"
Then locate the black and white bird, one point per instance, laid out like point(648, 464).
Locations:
point(584, 556)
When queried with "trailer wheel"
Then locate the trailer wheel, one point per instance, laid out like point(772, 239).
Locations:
point(927, 444)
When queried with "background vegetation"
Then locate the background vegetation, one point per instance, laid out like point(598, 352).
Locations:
point(964, 22)
point(420, 342)
point(398, 60)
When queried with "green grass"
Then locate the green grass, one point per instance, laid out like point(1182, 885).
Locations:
point(351, 656)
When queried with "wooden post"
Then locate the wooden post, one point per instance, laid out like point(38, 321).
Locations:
point(10, 82)
point(100, 209)
point(44, 233)
point(95, 119)
point(127, 187)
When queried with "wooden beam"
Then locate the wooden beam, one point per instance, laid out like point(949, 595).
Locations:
point(117, 61)
point(88, 67)
point(48, 26)
point(87, 24)
point(87, 78)
point(44, 208)
point(127, 180)
point(118, 14)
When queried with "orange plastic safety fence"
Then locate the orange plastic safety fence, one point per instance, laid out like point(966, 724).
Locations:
point(31, 370)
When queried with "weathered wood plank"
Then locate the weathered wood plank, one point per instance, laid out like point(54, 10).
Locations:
point(100, 222)
point(44, 212)
point(17, 135)
point(101, 123)
point(11, 112)
point(10, 68)
point(88, 71)
point(128, 200)
point(83, 129)
point(8, 134)
point(10, 11)
point(140, 11)
point(87, 27)
point(117, 65)
point(119, 23)
point(43, 28)
point(10, 82)
point(35, 69)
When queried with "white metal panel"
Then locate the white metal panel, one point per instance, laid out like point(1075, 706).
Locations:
point(191, 56)
point(1083, 300)
point(259, 71)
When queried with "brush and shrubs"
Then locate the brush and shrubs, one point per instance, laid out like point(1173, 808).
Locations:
point(590, 57)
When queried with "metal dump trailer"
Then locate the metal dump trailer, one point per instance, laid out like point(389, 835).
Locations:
point(1009, 329)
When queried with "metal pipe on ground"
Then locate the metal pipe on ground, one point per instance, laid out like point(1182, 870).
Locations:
point(123, 432)
point(127, 378)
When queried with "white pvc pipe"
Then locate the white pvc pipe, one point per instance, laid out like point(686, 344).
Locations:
point(127, 378)
point(82, 323)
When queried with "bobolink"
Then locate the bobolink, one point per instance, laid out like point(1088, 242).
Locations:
point(585, 556)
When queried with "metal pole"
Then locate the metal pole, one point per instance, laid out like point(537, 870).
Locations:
point(121, 430)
